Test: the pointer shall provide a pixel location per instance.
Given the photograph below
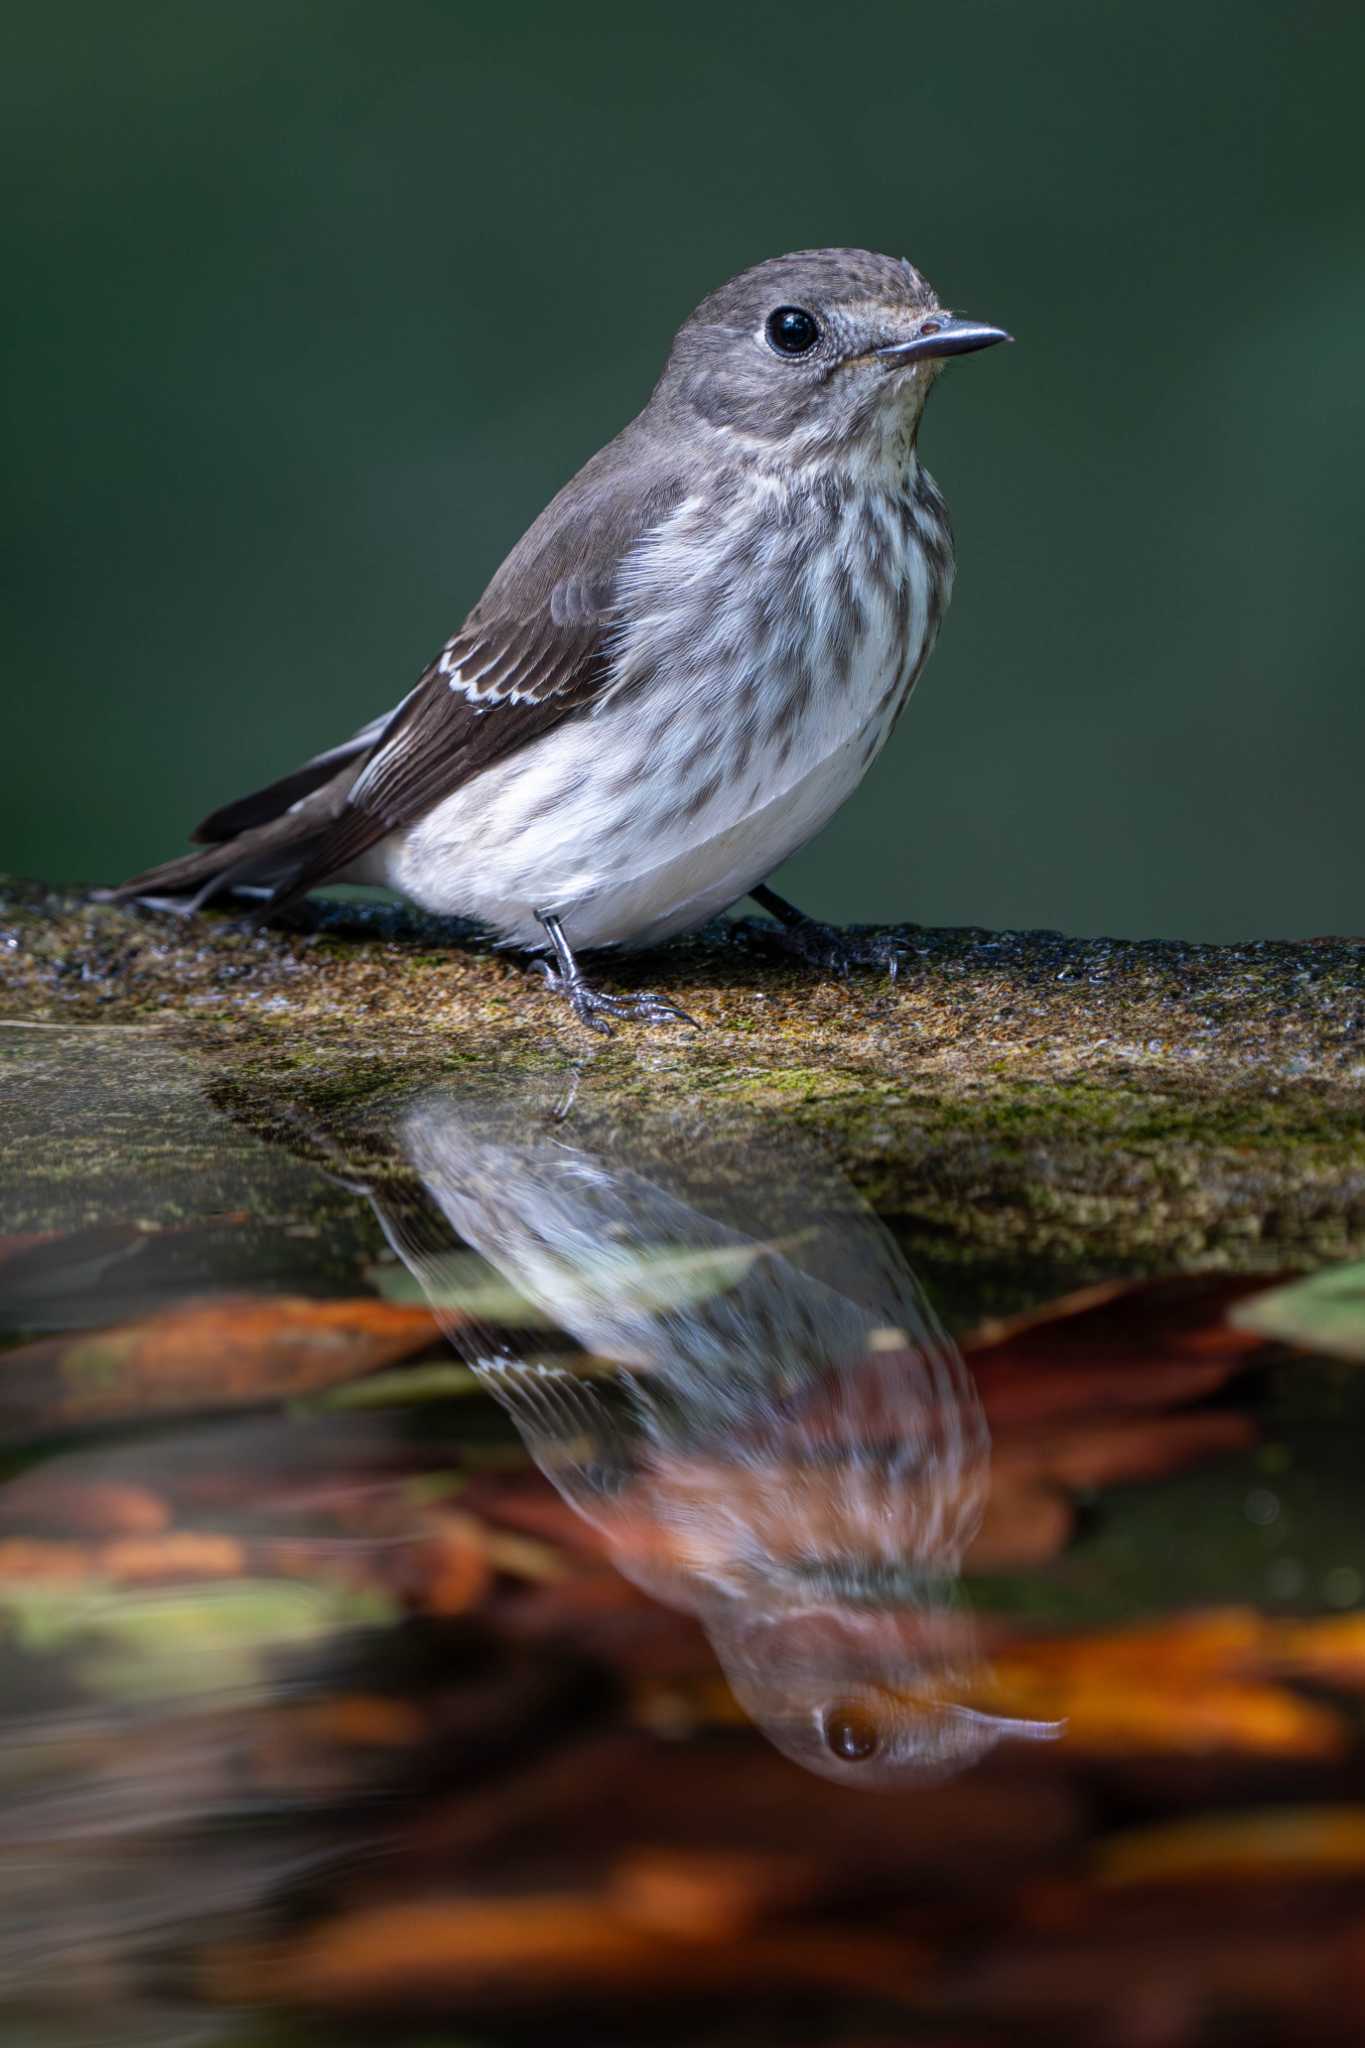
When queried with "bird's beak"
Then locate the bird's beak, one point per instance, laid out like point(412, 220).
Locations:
point(942, 334)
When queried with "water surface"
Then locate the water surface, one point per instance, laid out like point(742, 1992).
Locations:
point(500, 1562)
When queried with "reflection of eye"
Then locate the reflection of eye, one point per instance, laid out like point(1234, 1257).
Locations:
point(851, 1734)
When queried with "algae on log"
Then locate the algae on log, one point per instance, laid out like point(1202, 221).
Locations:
point(1014, 1100)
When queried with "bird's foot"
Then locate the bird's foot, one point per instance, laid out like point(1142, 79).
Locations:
point(840, 953)
point(826, 945)
point(594, 1007)
point(837, 951)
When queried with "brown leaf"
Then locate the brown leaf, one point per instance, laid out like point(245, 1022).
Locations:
point(1095, 1454)
point(212, 1353)
point(53, 1502)
point(538, 1949)
point(1027, 1522)
point(613, 1795)
point(1188, 1307)
point(1147, 1344)
point(177, 1554)
point(327, 1746)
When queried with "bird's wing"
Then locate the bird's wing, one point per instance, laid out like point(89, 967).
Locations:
point(536, 649)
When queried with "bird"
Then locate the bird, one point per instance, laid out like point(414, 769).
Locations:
point(680, 672)
point(733, 1377)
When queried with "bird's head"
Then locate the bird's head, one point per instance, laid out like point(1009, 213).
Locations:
point(817, 354)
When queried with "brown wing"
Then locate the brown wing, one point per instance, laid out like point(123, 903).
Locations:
point(491, 691)
point(496, 685)
point(534, 651)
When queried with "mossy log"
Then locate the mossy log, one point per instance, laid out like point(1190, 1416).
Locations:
point(1013, 1101)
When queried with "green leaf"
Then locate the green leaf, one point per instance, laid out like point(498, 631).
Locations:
point(1324, 1313)
point(182, 1641)
point(642, 1279)
point(403, 1388)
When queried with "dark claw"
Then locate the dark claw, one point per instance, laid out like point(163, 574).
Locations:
point(593, 1006)
point(838, 952)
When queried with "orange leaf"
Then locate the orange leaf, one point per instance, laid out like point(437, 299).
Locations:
point(22, 1559)
point(1279, 1842)
point(181, 1554)
point(1330, 1650)
point(447, 1569)
point(359, 1721)
point(1188, 1686)
point(709, 1892)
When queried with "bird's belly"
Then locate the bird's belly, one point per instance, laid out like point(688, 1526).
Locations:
point(677, 796)
point(600, 826)
point(678, 880)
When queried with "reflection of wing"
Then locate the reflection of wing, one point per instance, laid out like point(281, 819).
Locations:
point(567, 1423)
point(791, 1273)
point(582, 1241)
point(570, 1428)
point(417, 1231)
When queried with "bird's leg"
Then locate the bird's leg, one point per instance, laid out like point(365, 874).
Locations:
point(824, 945)
point(592, 1006)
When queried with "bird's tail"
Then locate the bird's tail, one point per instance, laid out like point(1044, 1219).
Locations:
point(263, 861)
point(260, 845)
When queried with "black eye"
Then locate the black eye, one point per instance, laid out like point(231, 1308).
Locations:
point(792, 331)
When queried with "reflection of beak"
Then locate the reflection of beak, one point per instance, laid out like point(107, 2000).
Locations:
point(1011, 1724)
point(943, 335)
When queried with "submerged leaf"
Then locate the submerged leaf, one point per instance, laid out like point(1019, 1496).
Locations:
point(408, 1388)
point(644, 1280)
point(1323, 1313)
point(1111, 1349)
point(192, 1641)
point(1192, 1684)
point(1271, 1843)
point(81, 1506)
point(220, 1352)
point(543, 1948)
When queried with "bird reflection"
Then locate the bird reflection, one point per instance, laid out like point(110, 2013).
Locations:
point(762, 1417)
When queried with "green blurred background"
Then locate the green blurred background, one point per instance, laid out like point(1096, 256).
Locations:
point(312, 306)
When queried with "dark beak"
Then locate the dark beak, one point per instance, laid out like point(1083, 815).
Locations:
point(944, 335)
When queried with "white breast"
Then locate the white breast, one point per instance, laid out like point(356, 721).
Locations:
point(757, 676)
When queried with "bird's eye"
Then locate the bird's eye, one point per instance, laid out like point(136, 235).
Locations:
point(851, 1734)
point(792, 331)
